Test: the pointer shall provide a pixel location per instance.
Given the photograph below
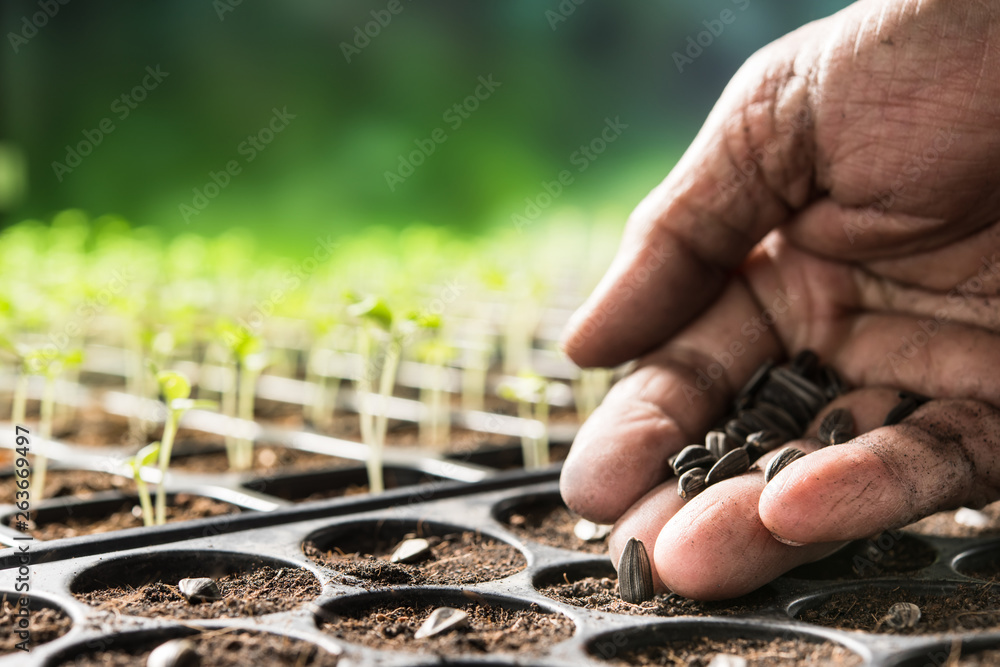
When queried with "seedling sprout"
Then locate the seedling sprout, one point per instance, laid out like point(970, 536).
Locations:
point(530, 391)
point(146, 456)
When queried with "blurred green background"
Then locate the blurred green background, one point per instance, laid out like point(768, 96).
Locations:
point(563, 68)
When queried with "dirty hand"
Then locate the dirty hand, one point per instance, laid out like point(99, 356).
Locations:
point(844, 196)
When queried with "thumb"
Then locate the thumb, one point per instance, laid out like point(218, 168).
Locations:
point(748, 168)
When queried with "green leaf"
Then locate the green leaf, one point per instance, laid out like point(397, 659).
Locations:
point(147, 455)
point(373, 309)
point(173, 385)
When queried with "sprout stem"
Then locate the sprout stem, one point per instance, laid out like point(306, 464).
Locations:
point(166, 446)
point(41, 463)
point(19, 408)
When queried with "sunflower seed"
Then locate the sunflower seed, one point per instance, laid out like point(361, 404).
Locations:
point(738, 431)
point(635, 577)
point(725, 660)
point(781, 461)
point(902, 615)
point(746, 396)
point(691, 483)
point(410, 550)
point(805, 363)
point(837, 427)
point(732, 464)
point(199, 589)
point(908, 404)
point(174, 653)
point(810, 394)
point(588, 531)
point(441, 620)
point(766, 440)
point(692, 456)
point(833, 384)
point(778, 420)
point(719, 444)
point(776, 393)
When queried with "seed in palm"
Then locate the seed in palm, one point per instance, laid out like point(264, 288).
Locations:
point(691, 483)
point(692, 456)
point(837, 427)
point(732, 464)
point(781, 461)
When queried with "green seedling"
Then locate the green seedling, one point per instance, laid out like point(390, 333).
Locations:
point(380, 345)
point(145, 457)
point(435, 426)
point(176, 390)
point(320, 411)
point(590, 388)
point(247, 349)
point(530, 391)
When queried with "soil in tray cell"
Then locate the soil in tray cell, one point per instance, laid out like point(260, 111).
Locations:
point(943, 524)
point(893, 553)
point(964, 609)
point(262, 590)
point(548, 521)
point(700, 651)
point(72, 523)
point(598, 591)
point(489, 629)
point(44, 624)
point(61, 483)
point(236, 648)
point(454, 558)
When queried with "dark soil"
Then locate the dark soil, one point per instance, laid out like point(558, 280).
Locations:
point(44, 624)
point(698, 652)
point(549, 522)
point(943, 524)
point(60, 483)
point(266, 459)
point(91, 426)
point(490, 629)
point(263, 590)
point(236, 648)
point(184, 506)
point(968, 608)
point(455, 558)
point(893, 553)
point(600, 593)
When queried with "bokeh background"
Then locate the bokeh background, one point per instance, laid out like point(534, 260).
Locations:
point(563, 68)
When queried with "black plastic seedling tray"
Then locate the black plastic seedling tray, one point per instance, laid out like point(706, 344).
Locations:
point(276, 538)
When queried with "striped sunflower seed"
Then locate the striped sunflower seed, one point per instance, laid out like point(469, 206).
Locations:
point(732, 464)
point(908, 404)
point(635, 576)
point(692, 456)
point(837, 427)
point(410, 550)
point(777, 394)
point(902, 615)
point(199, 589)
point(804, 389)
point(719, 444)
point(749, 392)
point(778, 420)
point(442, 619)
point(781, 461)
point(833, 384)
point(691, 483)
point(805, 363)
point(738, 430)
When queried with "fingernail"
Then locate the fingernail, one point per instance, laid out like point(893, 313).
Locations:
point(790, 543)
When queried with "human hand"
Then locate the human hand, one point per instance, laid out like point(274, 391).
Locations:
point(844, 196)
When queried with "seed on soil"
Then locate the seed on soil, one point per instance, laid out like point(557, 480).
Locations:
point(692, 456)
point(902, 615)
point(837, 427)
point(588, 531)
point(781, 460)
point(199, 589)
point(719, 444)
point(174, 653)
point(410, 550)
point(732, 464)
point(908, 404)
point(442, 619)
point(726, 660)
point(971, 518)
point(691, 483)
point(635, 576)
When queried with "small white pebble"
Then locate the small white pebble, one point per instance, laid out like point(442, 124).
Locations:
point(588, 531)
point(971, 518)
point(724, 660)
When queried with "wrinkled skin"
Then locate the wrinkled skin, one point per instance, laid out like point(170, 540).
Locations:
point(844, 196)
